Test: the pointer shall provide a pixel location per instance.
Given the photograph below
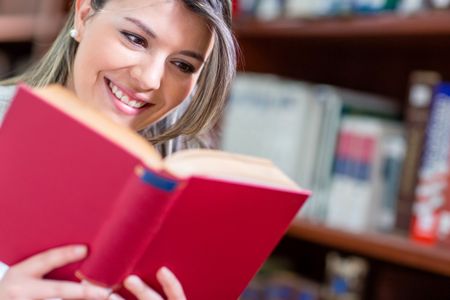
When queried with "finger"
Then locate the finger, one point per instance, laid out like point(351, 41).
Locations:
point(142, 291)
point(42, 263)
point(88, 283)
point(171, 286)
point(44, 289)
point(115, 297)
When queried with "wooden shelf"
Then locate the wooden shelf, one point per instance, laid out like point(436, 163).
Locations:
point(384, 25)
point(394, 249)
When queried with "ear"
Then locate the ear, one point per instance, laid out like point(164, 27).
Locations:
point(83, 10)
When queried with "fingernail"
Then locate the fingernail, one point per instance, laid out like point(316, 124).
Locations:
point(134, 280)
point(165, 271)
point(115, 297)
point(80, 250)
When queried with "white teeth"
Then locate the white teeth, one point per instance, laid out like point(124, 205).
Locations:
point(124, 98)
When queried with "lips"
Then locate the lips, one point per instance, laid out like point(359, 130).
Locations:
point(123, 100)
point(122, 97)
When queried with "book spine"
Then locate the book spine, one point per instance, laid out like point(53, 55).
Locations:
point(352, 191)
point(341, 176)
point(393, 154)
point(359, 216)
point(417, 114)
point(444, 221)
point(434, 171)
point(135, 218)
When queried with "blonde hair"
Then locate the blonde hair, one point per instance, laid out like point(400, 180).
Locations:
point(211, 91)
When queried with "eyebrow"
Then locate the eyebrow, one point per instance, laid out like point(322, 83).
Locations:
point(149, 32)
point(194, 55)
point(142, 26)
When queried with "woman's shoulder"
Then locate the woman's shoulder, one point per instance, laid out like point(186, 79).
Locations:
point(6, 95)
point(7, 92)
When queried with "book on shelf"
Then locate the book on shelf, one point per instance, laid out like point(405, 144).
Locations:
point(421, 90)
point(266, 116)
point(393, 159)
point(70, 175)
point(346, 277)
point(368, 104)
point(329, 100)
point(341, 103)
point(296, 124)
point(313, 9)
point(278, 281)
point(282, 120)
point(367, 161)
point(370, 7)
point(431, 211)
point(285, 284)
point(358, 193)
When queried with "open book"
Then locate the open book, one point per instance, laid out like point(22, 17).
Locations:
point(69, 175)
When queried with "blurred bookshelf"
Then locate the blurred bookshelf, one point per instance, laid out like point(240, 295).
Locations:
point(27, 29)
point(23, 28)
point(386, 25)
point(387, 247)
point(375, 54)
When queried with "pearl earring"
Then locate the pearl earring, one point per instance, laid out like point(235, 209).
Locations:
point(73, 33)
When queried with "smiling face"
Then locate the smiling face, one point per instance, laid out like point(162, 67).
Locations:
point(138, 59)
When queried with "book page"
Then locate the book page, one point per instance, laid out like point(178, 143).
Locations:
point(227, 166)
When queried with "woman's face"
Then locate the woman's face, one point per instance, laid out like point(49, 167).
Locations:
point(138, 59)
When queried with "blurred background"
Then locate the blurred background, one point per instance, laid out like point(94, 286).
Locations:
point(27, 28)
point(350, 98)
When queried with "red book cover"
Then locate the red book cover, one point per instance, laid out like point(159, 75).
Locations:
point(421, 85)
point(430, 222)
point(444, 220)
point(69, 176)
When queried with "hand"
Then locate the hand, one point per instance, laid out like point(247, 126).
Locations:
point(24, 280)
point(171, 286)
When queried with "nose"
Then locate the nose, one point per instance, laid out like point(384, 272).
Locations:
point(148, 73)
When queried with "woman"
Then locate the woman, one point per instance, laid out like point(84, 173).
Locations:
point(135, 61)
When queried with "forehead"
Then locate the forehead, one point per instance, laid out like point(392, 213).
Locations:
point(150, 8)
point(170, 18)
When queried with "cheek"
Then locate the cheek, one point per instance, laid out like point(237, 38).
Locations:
point(86, 68)
point(97, 55)
point(180, 90)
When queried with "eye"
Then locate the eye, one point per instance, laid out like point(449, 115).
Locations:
point(135, 39)
point(184, 67)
